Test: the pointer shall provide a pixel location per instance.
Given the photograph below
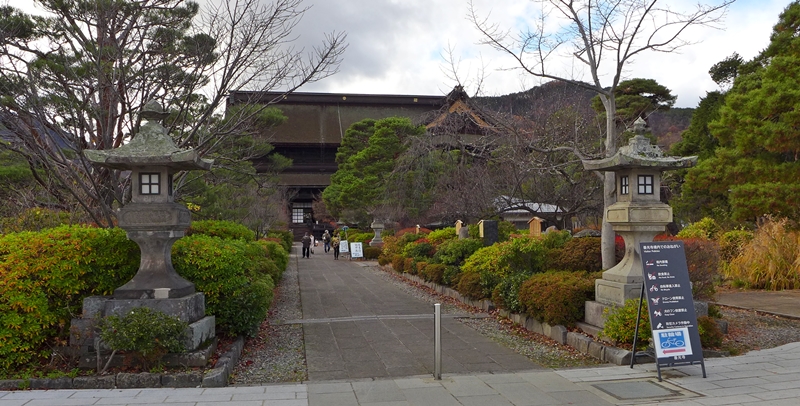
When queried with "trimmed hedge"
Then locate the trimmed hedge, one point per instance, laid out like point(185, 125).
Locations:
point(286, 238)
point(223, 229)
point(237, 290)
point(577, 254)
point(44, 277)
point(557, 297)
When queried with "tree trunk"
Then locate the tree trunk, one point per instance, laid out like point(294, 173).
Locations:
point(609, 182)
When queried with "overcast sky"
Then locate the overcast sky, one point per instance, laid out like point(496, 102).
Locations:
point(397, 46)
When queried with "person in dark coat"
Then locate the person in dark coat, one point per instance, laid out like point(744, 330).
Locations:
point(335, 243)
point(306, 246)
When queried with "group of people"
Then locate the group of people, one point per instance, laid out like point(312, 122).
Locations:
point(328, 242)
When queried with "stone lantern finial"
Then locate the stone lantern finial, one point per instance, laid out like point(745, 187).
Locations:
point(153, 111)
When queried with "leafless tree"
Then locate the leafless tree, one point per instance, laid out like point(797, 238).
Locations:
point(604, 36)
point(77, 78)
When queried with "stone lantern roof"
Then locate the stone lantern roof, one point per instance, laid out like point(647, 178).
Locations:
point(639, 153)
point(152, 146)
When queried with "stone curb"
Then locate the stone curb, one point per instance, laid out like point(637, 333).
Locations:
point(216, 377)
point(558, 333)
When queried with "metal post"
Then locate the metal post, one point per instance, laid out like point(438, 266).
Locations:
point(437, 341)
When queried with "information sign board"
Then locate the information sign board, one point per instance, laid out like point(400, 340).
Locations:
point(673, 321)
point(356, 250)
point(343, 246)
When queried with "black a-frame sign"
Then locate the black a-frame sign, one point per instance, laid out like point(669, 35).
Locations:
point(676, 339)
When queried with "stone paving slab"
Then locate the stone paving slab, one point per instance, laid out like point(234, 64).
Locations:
point(358, 325)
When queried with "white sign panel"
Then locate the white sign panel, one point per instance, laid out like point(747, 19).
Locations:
point(357, 250)
point(672, 343)
point(343, 247)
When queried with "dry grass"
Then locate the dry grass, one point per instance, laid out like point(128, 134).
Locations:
point(770, 261)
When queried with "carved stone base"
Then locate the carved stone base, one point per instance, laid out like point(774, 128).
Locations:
point(616, 293)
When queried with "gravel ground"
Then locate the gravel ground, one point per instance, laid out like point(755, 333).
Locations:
point(276, 354)
point(750, 330)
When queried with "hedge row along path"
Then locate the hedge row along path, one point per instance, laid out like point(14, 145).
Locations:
point(358, 325)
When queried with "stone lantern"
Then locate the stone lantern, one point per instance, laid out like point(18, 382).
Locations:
point(638, 215)
point(152, 219)
point(377, 227)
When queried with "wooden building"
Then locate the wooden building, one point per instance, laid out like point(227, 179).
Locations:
point(313, 132)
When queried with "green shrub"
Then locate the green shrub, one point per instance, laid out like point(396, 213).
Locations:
point(360, 236)
point(44, 277)
point(577, 254)
point(557, 297)
point(409, 266)
point(286, 237)
point(455, 252)
point(706, 228)
point(556, 239)
point(237, 295)
point(506, 293)
point(398, 263)
point(451, 276)
point(710, 334)
point(149, 334)
point(498, 261)
point(277, 254)
point(372, 253)
point(434, 273)
point(391, 247)
point(420, 249)
point(437, 237)
point(620, 323)
point(469, 286)
point(227, 230)
point(732, 242)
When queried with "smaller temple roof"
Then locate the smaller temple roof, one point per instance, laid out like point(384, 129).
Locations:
point(639, 153)
point(152, 146)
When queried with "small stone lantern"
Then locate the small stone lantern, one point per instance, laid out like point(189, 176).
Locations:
point(377, 227)
point(152, 219)
point(638, 215)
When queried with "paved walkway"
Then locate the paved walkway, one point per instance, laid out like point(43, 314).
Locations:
point(759, 378)
point(358, 325)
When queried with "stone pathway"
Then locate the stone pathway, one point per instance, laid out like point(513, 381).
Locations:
point(357, 325)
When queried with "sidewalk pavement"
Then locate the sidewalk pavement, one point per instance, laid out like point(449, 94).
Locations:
point(759, 378)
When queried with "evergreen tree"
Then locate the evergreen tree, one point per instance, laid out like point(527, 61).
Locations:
point(755, 170)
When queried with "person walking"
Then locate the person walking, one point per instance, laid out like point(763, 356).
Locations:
point(326, 241)
point(335, 243)
point(306, 246)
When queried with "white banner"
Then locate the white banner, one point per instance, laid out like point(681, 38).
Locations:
point(343, 247)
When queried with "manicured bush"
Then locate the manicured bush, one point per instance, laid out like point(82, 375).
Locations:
point(237, 295)
point(469, 286)
point(498, 261)
point(620, 323)
point(702, 260)
point(710, 334)
point(286, 237)
point(706, 228)
point(149, 334)
point(412, 230)
point(360, 236)
point(372, 253)
point(437, 237)
point(557, 297)
point(451, 276)
point(455, 252)
point(398, 263)
point(420, 249)
point(409, 266)
point(506, 293)
point(434, 273)
point(577, 254)
point(277, 254)
point(227, 230)
point(771, 260)
point(44, 277)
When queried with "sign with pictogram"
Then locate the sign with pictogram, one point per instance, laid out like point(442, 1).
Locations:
point(676, 339)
